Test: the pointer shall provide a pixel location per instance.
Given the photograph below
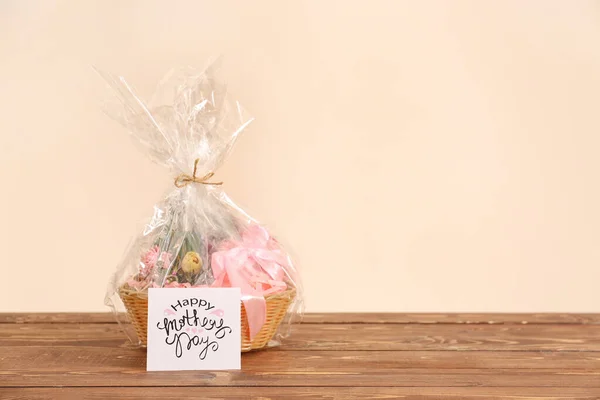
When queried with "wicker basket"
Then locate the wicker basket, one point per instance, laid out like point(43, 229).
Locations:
point(136, 303)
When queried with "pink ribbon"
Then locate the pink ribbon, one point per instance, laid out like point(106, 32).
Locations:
point(255, 265)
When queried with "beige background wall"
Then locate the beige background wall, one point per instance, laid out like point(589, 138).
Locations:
point(419, 155)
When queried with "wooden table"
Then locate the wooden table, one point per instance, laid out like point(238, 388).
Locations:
point(410, 356)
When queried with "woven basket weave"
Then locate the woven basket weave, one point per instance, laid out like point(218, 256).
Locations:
point(136, 303)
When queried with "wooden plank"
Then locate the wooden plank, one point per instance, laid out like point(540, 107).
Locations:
point(76, 358)
point(446, 337)
point(60, 318)
point(264, 393)
point(450, 318)
point(377, 377)
point(96, 366)
point(342, 318)
point(368, 337)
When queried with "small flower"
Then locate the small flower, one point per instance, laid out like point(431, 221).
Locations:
point(191, 263)
point(166, 260)
point(151, 257)
point(135, 284)
point(178, 285)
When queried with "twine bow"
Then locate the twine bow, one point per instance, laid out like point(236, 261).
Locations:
point(185, 179)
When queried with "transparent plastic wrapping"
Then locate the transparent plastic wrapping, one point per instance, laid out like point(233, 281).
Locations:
point(197, 237)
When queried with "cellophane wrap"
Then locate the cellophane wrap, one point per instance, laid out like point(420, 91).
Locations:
point(196, 236)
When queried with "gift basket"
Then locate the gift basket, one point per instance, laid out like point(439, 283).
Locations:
point(197, 236)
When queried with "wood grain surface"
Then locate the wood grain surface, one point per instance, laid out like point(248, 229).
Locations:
point(264, 393)
point(408, 356)
point(342, 318)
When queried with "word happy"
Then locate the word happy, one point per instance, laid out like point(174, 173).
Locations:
point(191, 330)
point(193, 302)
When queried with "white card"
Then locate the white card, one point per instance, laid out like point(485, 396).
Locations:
point(193, 329)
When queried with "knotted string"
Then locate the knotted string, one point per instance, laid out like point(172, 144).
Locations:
point(185, 179)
